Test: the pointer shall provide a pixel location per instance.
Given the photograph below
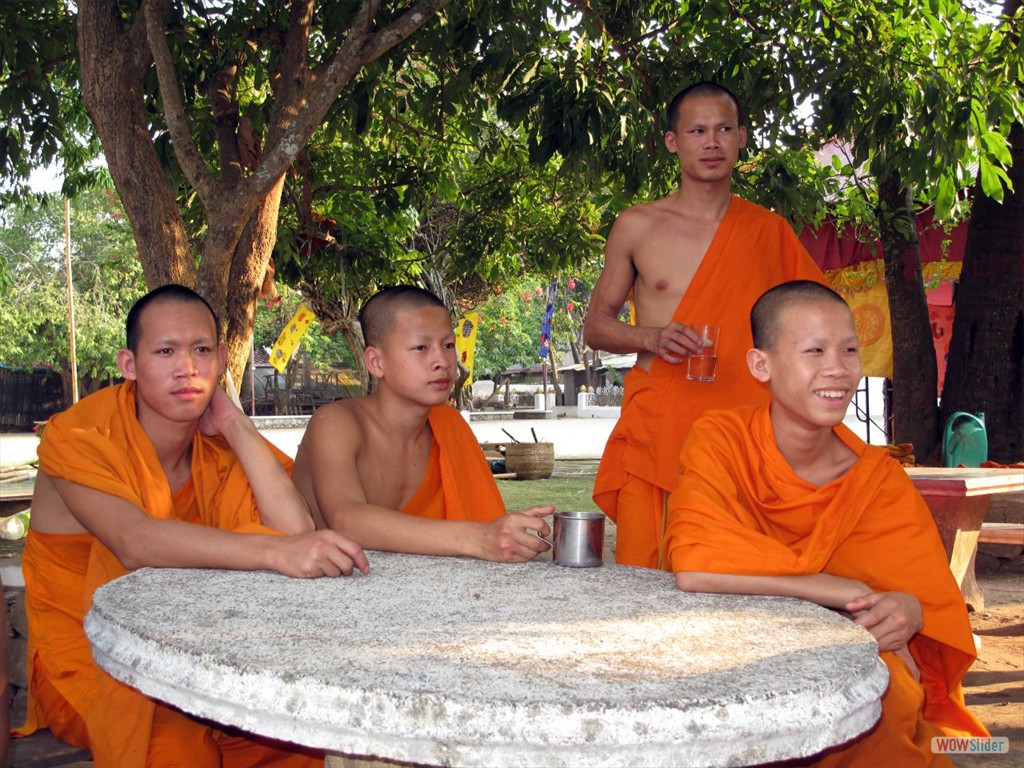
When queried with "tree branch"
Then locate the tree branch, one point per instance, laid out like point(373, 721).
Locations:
point(361, 46)
point(225, 121)
point(189, 159)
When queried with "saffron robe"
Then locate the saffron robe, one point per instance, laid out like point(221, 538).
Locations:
point(739, 508)
point(752, 250)
point(458, 484)
point(100, 444)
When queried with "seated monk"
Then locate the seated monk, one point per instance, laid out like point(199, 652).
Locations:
point(399, 470)
point(784, 500)
point(162, 470)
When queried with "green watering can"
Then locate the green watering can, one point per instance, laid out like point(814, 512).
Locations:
point(965, 442)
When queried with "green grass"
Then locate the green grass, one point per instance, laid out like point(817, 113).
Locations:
point(561, 492)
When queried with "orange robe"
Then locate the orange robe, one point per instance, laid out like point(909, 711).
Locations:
point(739, 508)
point(458, 484)
point(753, 250)
point(100, 444)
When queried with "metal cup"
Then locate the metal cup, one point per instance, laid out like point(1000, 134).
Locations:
point(578, 539)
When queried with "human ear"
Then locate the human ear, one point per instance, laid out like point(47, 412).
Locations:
point(757, 362)
point(743, 135)
point(126, 364)
point(373, 360)
point(670, 142)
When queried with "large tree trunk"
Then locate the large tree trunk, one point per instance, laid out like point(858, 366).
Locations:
point(241, 208)
point(986, 353)
point(915, 374)
point(114, 62)
point(247, 269)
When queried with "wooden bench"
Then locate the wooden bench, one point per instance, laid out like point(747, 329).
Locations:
point(1002, 533)
point(959, 500)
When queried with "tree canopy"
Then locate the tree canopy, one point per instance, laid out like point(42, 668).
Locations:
point(461, 143)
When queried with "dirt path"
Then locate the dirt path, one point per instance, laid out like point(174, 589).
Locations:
point(994, 687)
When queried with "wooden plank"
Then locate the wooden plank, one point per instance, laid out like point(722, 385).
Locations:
point(965, 481)
point(1002, 533)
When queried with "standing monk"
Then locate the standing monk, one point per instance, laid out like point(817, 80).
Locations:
point(700, 255)
point(162, 471)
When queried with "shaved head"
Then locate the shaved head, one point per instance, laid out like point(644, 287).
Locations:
point(171, 293)
point(705, 88)
point(764, 317)
point(377, 317)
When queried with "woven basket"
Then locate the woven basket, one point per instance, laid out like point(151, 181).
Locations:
point(530, 461)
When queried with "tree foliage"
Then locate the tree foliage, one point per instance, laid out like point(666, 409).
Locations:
point(106, 275)
point(459, 144)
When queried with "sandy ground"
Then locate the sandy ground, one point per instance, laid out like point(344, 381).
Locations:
point(994, 687)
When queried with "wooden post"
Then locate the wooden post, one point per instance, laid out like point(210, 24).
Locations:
point(71, 300)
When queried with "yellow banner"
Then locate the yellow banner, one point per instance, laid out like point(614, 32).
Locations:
point(465, 341)
point(871, 316)
point(288, 341)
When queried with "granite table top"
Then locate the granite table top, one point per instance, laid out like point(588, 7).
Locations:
point(450, 661)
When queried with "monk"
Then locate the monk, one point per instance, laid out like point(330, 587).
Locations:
point(785, 500)
point(700, 255)
point(399, 470)
point(162, 470)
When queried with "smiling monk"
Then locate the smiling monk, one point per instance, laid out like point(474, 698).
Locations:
point(161, 471)
point(785, 500)
point(400, 470)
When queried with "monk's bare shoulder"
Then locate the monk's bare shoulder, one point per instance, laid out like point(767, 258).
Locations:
point(340, 425)
point(636, 220)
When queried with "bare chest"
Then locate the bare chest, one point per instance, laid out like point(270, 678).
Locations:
point(666, 261)
point(391, 472)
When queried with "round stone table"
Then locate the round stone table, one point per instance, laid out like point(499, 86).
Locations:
point(447, 661)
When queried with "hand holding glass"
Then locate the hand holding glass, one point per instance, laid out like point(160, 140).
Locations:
point(701, 366)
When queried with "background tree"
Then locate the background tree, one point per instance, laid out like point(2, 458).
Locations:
point(107, 278)
point(918, 87)
point(241, 89)
point(986, 352)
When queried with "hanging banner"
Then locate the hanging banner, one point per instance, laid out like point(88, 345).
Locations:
point(545, 328)
point(288, 341)
point(465, 341)
point(941, 319)
point(871, 316)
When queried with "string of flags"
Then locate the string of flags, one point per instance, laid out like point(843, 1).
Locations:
point(545, 328)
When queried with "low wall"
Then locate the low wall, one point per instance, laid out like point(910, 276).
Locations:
point(586, 409)
point(280, 422)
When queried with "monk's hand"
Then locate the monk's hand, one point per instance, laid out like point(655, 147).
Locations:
point(220, 415)
point(515, 537)
point(318, 553)
point(674, 342)
point(891, 617)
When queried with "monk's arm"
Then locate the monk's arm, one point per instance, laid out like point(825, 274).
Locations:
point(891, 617)
point(508, 539)
point(280, 505)
point(821, 588)
point(602, 328)
point(138, 540)
point(326, 467)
